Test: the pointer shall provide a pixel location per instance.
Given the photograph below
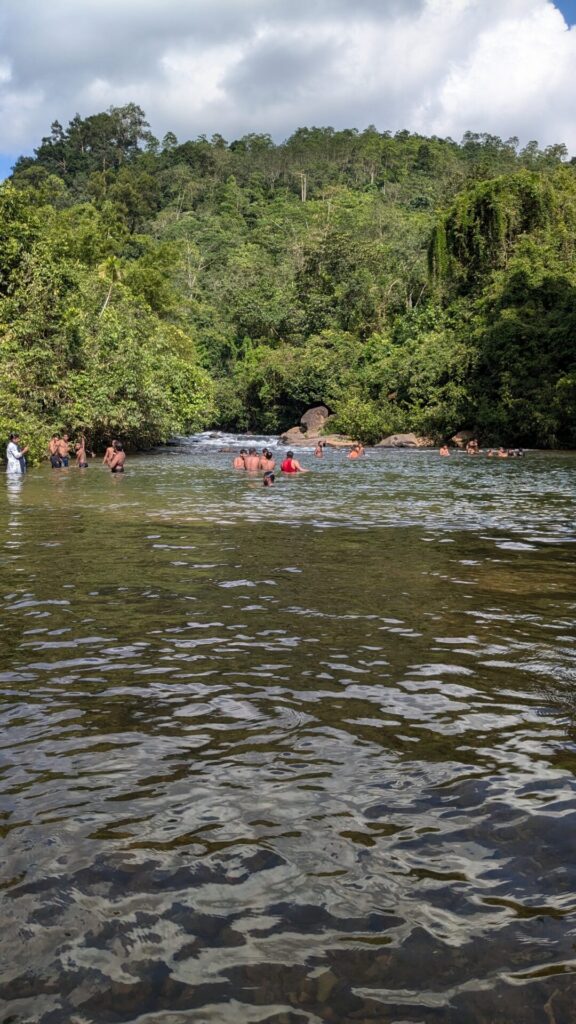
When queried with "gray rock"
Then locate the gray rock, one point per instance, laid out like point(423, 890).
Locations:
point(462, 437)
point(314, 420)
point(405, 441)
point(296, 435)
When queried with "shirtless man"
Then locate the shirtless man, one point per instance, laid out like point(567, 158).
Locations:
point(291, 465)
point(240, 460)
point(444, 450)
point(81, 453)
point(64, 450)
point(319, 450)
point(252, 462)
point(53, 451)
point(266, 461)
point(118, 459)
point(109, 453)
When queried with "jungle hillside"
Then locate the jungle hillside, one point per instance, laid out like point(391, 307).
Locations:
point(152, 287)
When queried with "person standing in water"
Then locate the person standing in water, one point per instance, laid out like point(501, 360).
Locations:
point(240, 460)
point(64, 450)
point(14, 454)
point(119, 458)
point(319, 450)
point(266, 461)
point(291, 465)
point(444, 450)
point(53, 451)
point(81, 453)
point(109, 453)
point(252, 462)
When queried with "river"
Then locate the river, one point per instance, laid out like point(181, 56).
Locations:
point(292, 755)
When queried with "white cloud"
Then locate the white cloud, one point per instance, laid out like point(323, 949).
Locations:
point(234, 66)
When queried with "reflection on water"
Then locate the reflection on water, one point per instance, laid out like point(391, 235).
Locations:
point(293, 755)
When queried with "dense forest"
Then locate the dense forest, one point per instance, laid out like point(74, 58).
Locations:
point(409, 283)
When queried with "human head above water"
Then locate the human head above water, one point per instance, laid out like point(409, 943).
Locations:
point(268, 478)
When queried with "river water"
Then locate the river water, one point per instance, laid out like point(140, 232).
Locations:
point(289, 755)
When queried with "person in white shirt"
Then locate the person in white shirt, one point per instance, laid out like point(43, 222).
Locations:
point(13, 454)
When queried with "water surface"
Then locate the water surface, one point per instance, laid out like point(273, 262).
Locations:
point(289, 755)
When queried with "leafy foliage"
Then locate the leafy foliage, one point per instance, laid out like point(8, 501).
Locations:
point(408, 283)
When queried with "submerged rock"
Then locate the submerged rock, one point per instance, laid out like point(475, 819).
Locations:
point(405, 441)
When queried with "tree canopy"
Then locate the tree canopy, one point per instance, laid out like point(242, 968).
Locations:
point(409, 283)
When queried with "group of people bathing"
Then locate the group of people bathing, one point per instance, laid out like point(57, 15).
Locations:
point(248, 459)
point(472, 448)
point(60, 449)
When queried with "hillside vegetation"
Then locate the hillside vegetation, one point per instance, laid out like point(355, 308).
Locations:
point(408, 283)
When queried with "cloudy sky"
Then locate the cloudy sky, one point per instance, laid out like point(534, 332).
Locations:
point(235, 66)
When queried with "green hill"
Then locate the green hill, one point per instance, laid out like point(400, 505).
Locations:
point(408, 283)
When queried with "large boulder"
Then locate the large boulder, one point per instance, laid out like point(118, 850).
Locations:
point(296, 435)
point(311, 424)
point(405, 441)
point(462, 437)
point(314, 420)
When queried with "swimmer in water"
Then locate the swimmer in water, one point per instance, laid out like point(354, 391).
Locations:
point(319, 450)
point(266, 462)
point(444, 450)
point(356, 452)
point(239, 462)
point(268, 479)
point(251, 461)
point(117, 464)
point(291, 465)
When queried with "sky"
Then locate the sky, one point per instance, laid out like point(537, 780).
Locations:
point(438, 67)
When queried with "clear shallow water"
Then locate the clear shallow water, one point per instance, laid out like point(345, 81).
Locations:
point(292, 755)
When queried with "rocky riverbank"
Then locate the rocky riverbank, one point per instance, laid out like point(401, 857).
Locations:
point(312, 427)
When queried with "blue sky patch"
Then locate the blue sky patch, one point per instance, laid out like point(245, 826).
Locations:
point(568, 8)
